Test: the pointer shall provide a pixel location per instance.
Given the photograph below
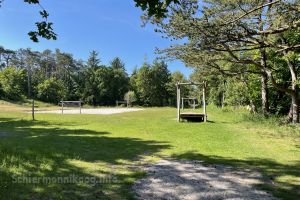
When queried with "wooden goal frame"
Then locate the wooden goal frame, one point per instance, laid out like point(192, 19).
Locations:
point(63, 102)
point(179, 100)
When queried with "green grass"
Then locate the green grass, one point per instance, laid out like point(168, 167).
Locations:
point(100, 146)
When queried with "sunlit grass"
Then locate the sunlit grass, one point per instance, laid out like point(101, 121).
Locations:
point(101, 146)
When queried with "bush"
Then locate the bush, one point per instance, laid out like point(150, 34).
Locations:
point(12, 83)
point(51, 90)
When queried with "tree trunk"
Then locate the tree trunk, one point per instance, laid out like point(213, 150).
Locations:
point(265, 94)
point(223, 94)
point(264, 83)
point(294, 95)
point(294, 111)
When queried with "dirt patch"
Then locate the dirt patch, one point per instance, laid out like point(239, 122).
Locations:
point(173, 179)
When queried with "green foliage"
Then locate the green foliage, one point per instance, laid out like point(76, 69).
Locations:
point(241, 39)
point(130, 97)
point(151, 84)
point(176, 77)
point(157, 8)
point(93, 60)
point(104, 85)
point(44, 28)
point(144, 84)
point(51, 90)
point(12, 83)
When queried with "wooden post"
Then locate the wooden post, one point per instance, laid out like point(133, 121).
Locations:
point(223, 95)
point(80, 107)
point(33, 118)
point(204, 101)
point(194, 105)
point(182, 103)
point(178, 102)
point(62, 107)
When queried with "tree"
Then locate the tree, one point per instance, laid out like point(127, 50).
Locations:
point(151, 83)
point(239, 32)
point(48, 63)
point(176, 77)
point(93, 60)
point(51, 90)
point(130, 97)
point(119, 82)
point(91, 86)
point(157, 8)
point(5, 57)
point(117, 64)
point(104, 85)
point(160, 79)
point(65, 67)
point(144, 84)
point(12, 82)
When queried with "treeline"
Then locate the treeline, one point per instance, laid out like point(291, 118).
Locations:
point(54, 76)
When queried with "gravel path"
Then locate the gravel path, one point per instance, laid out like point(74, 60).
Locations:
point(171, 179)
point(95, 111)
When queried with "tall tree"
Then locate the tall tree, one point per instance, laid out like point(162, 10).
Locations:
point(117, 63)
point(239, 32)
point(161, 77)
point(93, 60)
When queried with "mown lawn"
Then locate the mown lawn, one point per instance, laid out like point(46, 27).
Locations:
point(109, 146)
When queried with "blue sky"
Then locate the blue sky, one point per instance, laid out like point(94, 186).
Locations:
point(111, 27)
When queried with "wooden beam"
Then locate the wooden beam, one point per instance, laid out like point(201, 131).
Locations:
point(80, 107)
point(178, 102)
point(62, 107)
point(194, 105)
point(189, 83)
point(204, 101)
point(33, 117)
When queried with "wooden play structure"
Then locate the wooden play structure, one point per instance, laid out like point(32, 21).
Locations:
point(191, 116)
point(193, 99)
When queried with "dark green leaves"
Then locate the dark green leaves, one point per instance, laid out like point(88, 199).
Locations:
point(45, 30)
point(156, 8)
point(44, 14)
point(32, 1)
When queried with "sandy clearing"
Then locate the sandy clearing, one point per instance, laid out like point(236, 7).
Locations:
point(191, 180)
point(93, 111)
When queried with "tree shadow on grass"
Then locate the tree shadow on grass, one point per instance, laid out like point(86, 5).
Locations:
point(52, 152)
point(17, 124)
point(270, 169)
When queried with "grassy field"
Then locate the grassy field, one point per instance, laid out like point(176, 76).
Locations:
point(108, 148)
